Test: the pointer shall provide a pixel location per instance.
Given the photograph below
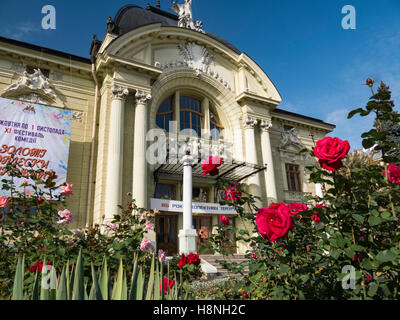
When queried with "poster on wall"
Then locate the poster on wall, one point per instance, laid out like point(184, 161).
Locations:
point(33, 136)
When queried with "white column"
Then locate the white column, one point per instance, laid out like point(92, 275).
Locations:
point(139, 151)
point(266, 148)
point(249, 125)
point(115, 152)
point(187, 236)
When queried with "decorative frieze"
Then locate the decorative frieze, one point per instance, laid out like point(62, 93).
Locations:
point(119, 93)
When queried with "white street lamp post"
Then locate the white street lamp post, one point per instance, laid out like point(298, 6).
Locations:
point(188, 235)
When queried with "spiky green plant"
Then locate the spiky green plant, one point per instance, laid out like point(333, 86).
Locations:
point(71, 285)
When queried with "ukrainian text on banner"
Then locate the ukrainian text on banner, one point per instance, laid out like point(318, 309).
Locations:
point(34, 136)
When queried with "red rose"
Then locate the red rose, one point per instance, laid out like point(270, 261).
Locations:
point(193, 258)
point(224, 220)
point(297, 207)
point(316, 218)
point(182, 261)
point(368, 277)
point(394, 174)
point(357, 258)
point(210, 166)
point(233, 193)
point(331, 152)
point(38, 266)
point(168, 284)
point(274, 222)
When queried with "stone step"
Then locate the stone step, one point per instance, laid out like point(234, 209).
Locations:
point(222, 272)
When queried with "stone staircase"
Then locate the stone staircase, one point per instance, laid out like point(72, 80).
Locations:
point(221, 272)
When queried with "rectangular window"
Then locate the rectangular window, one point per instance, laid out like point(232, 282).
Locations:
point(165, 191)
point(293, 177)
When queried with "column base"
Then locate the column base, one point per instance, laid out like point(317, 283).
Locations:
point(187, 241)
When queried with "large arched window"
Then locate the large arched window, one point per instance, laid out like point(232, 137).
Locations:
point(164, 114)
point(215, 127)
point(190, 112)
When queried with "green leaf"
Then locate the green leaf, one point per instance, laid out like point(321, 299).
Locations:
point(368, 143)
point(358, 218)
point(95, 285)
point(62, 287)
point(386, 256)
point(373, 288)
point(18, 288)
point(386, 215)
point(79, 283)
point(150, 285)
point(354, 112)
point(104, 286)
point(119, 283)
point(284, 268)
point(374, 221)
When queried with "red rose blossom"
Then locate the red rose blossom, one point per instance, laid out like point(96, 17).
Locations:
point(211, 165)
point(224, 220)
point(193, 258)
point(182, 261)
point(357, 258)
point(394, 173)
point(168, 284)
point(233, 193)
point(316, 218)
point(331, 152)
point(297, 207)
point(38, 266)
point(274, 222)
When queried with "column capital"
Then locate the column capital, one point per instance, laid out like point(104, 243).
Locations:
point(265, 124)
point(249, 122)
point(119, 93)
point(142, 97)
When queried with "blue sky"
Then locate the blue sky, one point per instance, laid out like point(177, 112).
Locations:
point(317, 66)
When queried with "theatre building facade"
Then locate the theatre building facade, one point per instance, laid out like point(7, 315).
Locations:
point(158, 70)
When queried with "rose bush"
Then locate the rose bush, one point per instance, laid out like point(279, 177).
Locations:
point(309, 250)
point(36, 224)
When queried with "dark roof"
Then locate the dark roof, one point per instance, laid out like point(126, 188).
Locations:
point(297, 115)
point(131, 17)
point(57, 53)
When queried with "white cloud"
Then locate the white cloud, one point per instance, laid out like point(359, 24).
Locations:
point(21, 30)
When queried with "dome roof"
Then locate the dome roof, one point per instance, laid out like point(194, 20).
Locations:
point(131, 17)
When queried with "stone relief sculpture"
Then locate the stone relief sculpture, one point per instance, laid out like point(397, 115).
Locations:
point(33, 82)
point(290, 141)
point(197, 58)
point(185, 13)
point(34, 88)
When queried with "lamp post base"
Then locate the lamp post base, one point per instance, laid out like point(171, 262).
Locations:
point(187, 241)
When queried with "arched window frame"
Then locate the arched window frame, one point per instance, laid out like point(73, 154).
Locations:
point(206, 109)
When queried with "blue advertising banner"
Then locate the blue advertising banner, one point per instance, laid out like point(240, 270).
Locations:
point(34, 136)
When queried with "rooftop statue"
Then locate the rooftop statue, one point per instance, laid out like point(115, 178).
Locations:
point(185, 13)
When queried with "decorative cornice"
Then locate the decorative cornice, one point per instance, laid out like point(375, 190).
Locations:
point(142, 97)
point(119, 93)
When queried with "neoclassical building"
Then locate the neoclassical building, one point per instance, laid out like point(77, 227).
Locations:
point(151, 68)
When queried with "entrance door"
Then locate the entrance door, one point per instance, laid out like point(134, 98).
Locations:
point(167, 233)
point(203, 227)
